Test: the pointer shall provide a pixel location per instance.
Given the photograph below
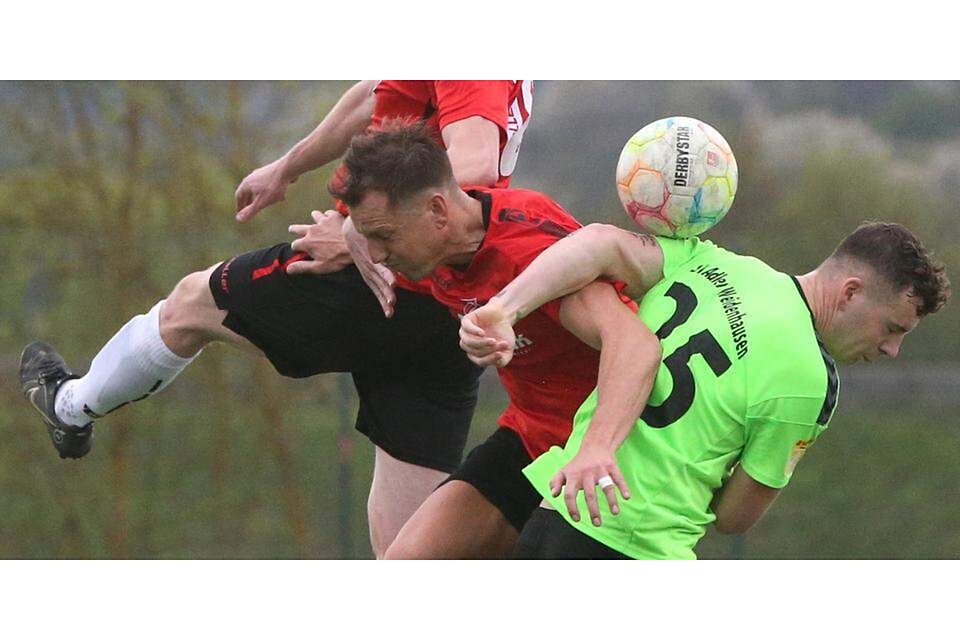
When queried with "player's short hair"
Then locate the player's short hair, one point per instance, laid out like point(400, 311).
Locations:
point(899, 257)
point(400, 159)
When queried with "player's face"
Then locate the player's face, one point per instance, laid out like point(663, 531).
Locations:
point(872, 324)
point(403, 238)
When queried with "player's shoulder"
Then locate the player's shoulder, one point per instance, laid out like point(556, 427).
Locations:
point(710, 260)
point(526, 208)
point(791, 370)
point(780, 318)
point(786, 367)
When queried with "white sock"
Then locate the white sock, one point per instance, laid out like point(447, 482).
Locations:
point(134, 364)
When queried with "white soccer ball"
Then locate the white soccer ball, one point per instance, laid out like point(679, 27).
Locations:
point(677, 177)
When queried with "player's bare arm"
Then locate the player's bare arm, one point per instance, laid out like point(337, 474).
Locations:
point(742, 502)
point(268, 184)
point(473, 146)
point(595, 251)
point(629, 358)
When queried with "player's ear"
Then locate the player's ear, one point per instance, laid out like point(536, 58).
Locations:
point(849, 289)
point(439, 210)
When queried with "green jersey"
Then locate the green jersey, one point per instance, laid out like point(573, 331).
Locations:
point(744, 379)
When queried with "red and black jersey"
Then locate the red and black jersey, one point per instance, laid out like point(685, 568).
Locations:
point(552, 372)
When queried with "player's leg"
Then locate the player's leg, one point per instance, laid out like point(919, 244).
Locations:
point(236, 302)
point(416, 407)
point(417, 389)
point(141, 359)
point(397, 491)
point(547, 536)
point(455, 522)
point(478, 512)
point(190, 318)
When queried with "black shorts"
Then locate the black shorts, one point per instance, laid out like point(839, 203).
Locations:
point(417, 389)
point(495, 469)
point(547, 536)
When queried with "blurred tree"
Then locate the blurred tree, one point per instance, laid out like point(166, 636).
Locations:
point(110, 192)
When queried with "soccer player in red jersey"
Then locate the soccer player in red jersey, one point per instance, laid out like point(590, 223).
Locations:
point(480, 123)
point(463, 247)
point(417, 389)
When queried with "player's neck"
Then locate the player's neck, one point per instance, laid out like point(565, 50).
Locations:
point(467, 230)
point(818, 295)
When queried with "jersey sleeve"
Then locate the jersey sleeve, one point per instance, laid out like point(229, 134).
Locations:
point(676, 252)
point(461, 99)
point(778, 433)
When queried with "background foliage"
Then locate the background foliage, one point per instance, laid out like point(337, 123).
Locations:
point(111, 192)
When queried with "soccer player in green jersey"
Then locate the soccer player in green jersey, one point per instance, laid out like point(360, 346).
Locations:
point(746, 384)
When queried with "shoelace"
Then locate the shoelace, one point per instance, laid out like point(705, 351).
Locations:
point(50, 370)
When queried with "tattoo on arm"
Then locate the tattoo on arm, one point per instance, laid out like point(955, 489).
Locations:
point(646, 239)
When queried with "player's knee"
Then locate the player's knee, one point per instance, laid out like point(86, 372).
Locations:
point(188, 312)
point(189, 301)
point(406, 547)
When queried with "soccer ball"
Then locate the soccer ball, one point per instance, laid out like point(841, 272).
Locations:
point(677, 177)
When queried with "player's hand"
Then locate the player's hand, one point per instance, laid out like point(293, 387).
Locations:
point(262, 188)
point(378, 277)
point(487, 336)
point(323, 242)
point(583, 473)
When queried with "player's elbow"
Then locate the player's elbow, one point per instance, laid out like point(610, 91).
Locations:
point(653, 347)
point(604, 239)
point(732, 526)
point(479, 174)
point(733, 520)
point(646, 346)
point(601, 232)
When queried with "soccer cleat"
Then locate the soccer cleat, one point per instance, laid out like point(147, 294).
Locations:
point(42, 371)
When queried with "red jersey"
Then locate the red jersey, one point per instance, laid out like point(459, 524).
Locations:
point(552, 372)
point(506, 103)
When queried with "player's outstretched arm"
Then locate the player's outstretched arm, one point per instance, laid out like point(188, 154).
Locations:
point(629, 358)
point(595, 251)
point(742, 502)
point(268, 184)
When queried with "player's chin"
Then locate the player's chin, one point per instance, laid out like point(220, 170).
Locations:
point(412, 273)
point(851, 359)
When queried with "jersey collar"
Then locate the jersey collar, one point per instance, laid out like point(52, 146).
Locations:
point(486, 204)
point(486, 207)
point(805, 302)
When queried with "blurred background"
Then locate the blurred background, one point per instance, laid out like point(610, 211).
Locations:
point(111, 192)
